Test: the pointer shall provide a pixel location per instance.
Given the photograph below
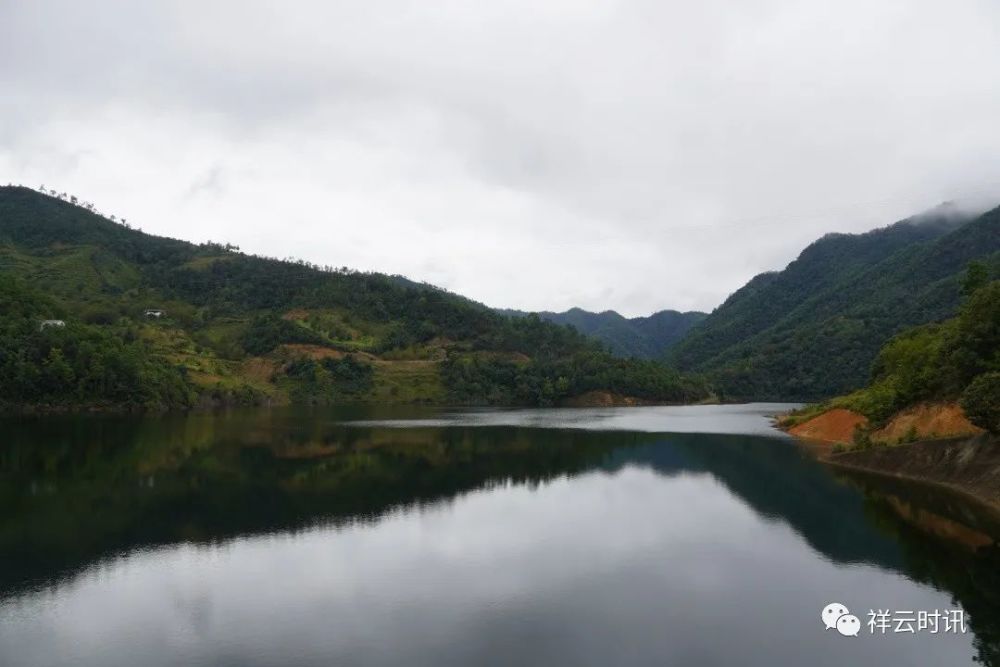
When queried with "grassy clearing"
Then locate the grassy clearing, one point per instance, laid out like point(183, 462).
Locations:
point(407, 382)
point(205, 263)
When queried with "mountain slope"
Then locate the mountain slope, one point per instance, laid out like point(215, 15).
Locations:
point(813, 329)
point(642, 337)
point(928, 381)
point(241, 328)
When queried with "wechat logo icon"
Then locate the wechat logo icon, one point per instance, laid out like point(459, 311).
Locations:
point(836, 616)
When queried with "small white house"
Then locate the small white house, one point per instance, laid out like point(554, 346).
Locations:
point(155, 312)
point(45, 324)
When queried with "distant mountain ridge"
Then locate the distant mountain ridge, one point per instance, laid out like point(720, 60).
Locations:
point(647, 337)
point(813, 329)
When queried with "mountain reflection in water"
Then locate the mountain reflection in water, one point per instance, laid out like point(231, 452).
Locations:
point(79, 493)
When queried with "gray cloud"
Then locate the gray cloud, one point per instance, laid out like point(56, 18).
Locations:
point(632, 155)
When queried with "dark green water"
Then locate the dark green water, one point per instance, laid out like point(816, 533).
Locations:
point(562, 537)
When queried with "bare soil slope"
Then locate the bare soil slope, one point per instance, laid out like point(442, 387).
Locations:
point(835, 425)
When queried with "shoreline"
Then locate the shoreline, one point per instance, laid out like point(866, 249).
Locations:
point(966, 466)
point(981, 501)
point(217, 405)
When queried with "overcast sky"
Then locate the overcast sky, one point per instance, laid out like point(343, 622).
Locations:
point(632, 155)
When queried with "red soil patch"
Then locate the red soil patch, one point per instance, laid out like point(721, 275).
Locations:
point(927, 421)
point(296, 314)
point(257, 369)
point(835, 425)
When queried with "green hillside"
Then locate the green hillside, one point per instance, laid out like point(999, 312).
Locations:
point(812, 330)
point(238, 328)
point(957, 360)
point(641, 337)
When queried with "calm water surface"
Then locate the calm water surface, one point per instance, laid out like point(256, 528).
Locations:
point(643, 536)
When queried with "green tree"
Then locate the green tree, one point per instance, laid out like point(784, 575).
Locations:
point(57, 374)
point(981, 402)
point(976, 347)
point(977, 274)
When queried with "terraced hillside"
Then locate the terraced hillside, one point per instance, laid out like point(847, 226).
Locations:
point(237, 328)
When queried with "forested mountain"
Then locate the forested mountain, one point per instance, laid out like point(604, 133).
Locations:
point(954, 361)
point(643, 337)
point(241, 328)
point(812, 330)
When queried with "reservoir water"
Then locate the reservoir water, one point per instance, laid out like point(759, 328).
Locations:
point(632, 536)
